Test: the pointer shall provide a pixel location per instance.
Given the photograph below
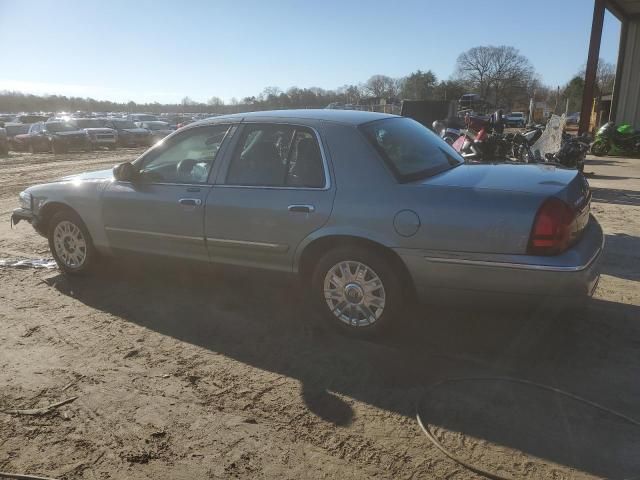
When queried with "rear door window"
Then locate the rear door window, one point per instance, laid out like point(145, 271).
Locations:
point(272, 155)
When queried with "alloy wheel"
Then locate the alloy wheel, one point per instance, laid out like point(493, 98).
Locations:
point(70, 244)
point(354, 293)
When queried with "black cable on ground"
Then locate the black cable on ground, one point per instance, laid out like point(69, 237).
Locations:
point(486, 473)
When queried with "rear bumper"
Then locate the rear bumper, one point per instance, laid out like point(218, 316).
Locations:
point(574, 273)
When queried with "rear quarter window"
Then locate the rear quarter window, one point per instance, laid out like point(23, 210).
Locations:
point(411, 150)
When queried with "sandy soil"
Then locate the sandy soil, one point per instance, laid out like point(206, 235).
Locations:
point(190, 372)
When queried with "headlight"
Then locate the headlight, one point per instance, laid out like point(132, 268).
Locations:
point(25, 200)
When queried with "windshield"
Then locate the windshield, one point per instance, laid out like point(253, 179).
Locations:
point(120, 124)
point(411, 150)
point(60, 127)
point(89, 123)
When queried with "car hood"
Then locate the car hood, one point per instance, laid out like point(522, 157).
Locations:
point(93, 176)
point(522, 178)
point(137, 131)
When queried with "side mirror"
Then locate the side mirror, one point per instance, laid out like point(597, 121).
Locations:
point(124, 172)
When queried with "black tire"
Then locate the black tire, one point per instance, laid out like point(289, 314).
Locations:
point(600, 148)
point(379, 264)
point(90, 258)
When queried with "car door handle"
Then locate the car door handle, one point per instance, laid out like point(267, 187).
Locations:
point(191, 202)
point(302, 208)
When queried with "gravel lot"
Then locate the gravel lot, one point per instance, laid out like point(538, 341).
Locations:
point(190, 372)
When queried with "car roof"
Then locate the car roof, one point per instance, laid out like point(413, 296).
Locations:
point(348, 117)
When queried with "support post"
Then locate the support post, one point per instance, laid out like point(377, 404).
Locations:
point(592, 65)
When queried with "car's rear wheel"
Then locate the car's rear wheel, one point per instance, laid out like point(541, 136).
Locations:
point(358, 290)
point(70, 243)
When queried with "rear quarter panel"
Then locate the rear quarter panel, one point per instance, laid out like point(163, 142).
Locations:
point(459, 219)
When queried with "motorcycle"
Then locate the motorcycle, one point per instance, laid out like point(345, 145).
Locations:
point(522, 143)
point(477, 143)
point(610, 140)
point(573, 152)
point(449, 130)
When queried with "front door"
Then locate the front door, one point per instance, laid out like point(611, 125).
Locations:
point(162, 210)
point(274, 191)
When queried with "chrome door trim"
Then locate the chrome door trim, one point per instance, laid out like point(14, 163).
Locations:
point(154, 234)
point(269, 247)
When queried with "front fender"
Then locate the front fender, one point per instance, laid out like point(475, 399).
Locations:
point(84, 197)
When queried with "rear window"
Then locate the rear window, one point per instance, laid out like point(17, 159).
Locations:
point(411, 150)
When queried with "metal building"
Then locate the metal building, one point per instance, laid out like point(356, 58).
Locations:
point(625, 106)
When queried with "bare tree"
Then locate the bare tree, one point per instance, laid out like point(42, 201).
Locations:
point(215, 102)
point(500, 75)
point(605, 76)
point(381, 86)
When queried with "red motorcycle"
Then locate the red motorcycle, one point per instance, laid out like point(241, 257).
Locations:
point(482, 140)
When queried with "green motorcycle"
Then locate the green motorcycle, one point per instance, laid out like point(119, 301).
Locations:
point(623, 140)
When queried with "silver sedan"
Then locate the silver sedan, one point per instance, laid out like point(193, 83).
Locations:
point(369, 209)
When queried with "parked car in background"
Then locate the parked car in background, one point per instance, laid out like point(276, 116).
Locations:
point(158, 130)
point(4, 141)
point(14, 129)
point(515, 119)
point(129, 134)
point(573, 118)
point(392, 211)
point(142, 117)
point(30, 118)
point(55, 137)
point(175, 120)
point(99, 135)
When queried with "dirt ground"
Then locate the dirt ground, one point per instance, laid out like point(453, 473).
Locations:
point(191, 372)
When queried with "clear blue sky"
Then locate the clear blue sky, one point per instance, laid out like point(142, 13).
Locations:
point(162, 50)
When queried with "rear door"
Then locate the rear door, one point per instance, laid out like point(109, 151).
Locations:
point(273, 190)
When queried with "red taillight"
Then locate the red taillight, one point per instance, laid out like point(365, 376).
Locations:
point(553, 227)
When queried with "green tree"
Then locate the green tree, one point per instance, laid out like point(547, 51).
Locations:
point(418, 85)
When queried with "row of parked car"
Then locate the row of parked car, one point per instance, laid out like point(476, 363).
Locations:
point(59, 134)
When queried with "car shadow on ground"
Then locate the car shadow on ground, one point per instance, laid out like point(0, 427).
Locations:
point(265, 321)
point(616, 196)
point(622, 256)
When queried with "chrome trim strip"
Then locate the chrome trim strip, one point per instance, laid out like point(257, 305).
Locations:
point(154, 234)
point(526, 266)
point(272, 247)
point(520, 266)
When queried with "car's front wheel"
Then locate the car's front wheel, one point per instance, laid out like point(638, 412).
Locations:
point(70, 243)
point(358, 290)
